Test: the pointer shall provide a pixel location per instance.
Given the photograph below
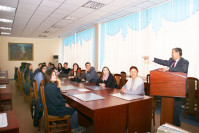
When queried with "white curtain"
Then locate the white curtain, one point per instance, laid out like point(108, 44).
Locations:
point(153, 32)
point(79, 48)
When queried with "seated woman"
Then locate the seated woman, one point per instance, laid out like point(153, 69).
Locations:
point(59, 68)
point(135, 84)
point(40, 74)
point(75, 72)
point(29, 72)
point(55, 102)
point(106, 79)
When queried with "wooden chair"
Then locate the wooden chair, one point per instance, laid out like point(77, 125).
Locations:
point(82, 72)
point(154, 102)
point(35, 91)
point(99, 74)
point(35, 95)
point(117, 78)
point(123, 79)
point(15, 76)
point(19, 80)
point(31, 92)
point(49, 119)
point(192, 100)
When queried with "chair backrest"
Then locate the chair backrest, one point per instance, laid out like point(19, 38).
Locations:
point(18, 76)
point(99, 74)
point(42, 92)
point(117, 78)
point(123, 79)
point(192, 94)
point(147, 85)
point(23, 78)
point(35, 91)
point(82, 72)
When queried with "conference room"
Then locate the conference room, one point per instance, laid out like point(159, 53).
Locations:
point(146, 48)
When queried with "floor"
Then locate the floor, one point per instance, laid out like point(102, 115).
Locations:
point(25, 120)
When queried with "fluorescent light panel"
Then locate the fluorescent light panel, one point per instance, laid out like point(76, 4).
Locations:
point(93, 5)
point(6, 20)
point(5, 33)
point(5, 28)
point(7, 9)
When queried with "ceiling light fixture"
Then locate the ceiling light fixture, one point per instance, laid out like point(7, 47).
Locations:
point(5, 33)
point(5, 28)
point(69, 18)
point(42, 36)
point(46, 31)
point(6, 20)
point(7, 9)
point(57, 26)
point(93, 5)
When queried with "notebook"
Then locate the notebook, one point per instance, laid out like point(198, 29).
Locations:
point(2, 86)
point(127, 96)
point(68, 87)
point(3, 120)
point(88, 97)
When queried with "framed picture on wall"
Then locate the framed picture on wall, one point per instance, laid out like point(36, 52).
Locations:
point(20, 51)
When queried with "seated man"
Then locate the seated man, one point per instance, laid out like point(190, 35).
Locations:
point(90, 74)
point(66, 70)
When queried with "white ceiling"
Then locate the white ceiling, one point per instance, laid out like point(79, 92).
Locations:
point(35, 18)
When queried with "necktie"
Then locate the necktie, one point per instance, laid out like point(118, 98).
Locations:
point(173, 65)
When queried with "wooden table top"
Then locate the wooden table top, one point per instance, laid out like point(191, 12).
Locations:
point(3, 73)
point(5, 93)
point(12, 122)
point(4, 80)
point(108, 101)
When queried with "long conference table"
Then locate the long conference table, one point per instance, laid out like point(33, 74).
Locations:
point(111, 114)
point(6, 95)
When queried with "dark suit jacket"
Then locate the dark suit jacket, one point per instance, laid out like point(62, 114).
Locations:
point(181, 66)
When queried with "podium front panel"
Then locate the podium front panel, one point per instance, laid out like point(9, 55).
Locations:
point(171, 84)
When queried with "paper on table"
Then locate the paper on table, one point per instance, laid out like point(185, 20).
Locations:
point(83, 90)
point(94, 87)
point(167, 128)
point(3, 72)
point(88, 96)
point(127, 96)
point(2, 86)
point(68, 87)
point(3, 120)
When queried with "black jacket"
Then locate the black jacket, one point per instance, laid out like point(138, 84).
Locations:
point(110, 82)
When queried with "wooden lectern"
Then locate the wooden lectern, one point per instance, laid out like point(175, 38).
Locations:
point(168, 85)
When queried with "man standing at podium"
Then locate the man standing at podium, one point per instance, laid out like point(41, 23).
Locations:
point(175, 64)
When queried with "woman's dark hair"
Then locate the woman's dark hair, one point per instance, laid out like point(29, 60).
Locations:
point(48, 76)
point(40, 70)
point(102, 71)
point(76, 64)
point(27, 70)
point(59, 64)
point(133, 67)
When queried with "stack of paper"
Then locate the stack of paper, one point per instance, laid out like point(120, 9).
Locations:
point(83, 90)
point(3, 120)
point(68, 87)
point(88, 96)
point(127, 96)
point(2, 77)
point(94, 87)
point(2, 86)
point(167, 128)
